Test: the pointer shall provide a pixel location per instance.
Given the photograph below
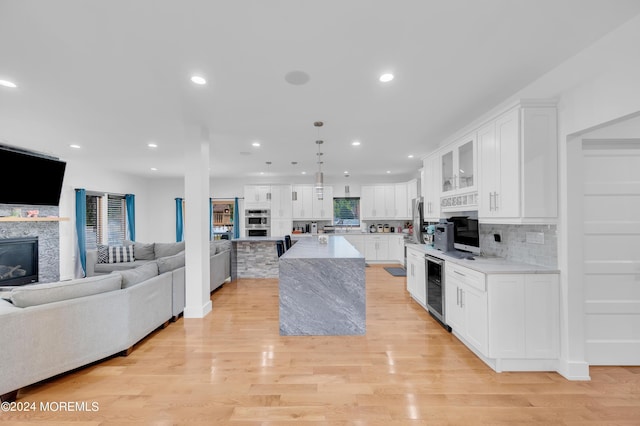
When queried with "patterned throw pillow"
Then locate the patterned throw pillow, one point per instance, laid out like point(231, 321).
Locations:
point(103, 253)
point(119, 254)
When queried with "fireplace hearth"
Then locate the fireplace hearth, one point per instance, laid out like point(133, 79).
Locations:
point(18, 261)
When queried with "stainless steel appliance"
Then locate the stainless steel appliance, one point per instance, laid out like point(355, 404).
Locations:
point(257, 222)
point(443, 236)
point(434, 271)
point(417, 217)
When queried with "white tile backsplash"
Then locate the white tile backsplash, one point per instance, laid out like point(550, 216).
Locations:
point(514, 245)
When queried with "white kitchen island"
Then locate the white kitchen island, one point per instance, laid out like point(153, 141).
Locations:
point(322, 289)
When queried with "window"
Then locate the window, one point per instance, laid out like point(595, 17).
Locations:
point(346, 211)
point(106, 220)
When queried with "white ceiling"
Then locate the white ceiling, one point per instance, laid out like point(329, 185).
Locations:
point(112, 76)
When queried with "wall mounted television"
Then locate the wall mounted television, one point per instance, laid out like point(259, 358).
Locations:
point(30, 178)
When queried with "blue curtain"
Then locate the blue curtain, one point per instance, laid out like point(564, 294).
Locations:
point(130, 201)
point(81, 224)
point(210, 218)
point(236, 219)
point(179, 221)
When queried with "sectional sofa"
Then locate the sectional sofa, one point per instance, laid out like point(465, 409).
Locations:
point(52, 328)
point(98, 262)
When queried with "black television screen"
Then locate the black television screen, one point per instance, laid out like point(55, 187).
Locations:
point(30, 178)
point(466, 234)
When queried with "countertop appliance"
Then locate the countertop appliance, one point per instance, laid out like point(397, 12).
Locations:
point(428, 233)
point(372, 228)
point(443, 236)
point(434, 271)
point(314, 228)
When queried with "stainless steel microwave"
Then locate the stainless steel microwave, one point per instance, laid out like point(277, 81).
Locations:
point(257, 222)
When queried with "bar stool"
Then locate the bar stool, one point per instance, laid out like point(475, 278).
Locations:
point(287, 242)
point(280, 247)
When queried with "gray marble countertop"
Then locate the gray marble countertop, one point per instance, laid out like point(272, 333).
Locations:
point(487, 265)
point(337, 247)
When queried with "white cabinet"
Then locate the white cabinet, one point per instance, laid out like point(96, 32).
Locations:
point(257, 196)
point(431, 188)
point(323, 209)
point(396, 248)
point(281, 204)
point(458, 166)
point(281, 227)
point(466, 305)
point(401, 204)
point(518, 166)
point(412, 194)
point(378, 201)
point(376, 248)
point(524, 316)
point(302, 201)
point(510, 320)
point(416, 283)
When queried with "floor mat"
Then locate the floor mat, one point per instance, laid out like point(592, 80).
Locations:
point(396, 272)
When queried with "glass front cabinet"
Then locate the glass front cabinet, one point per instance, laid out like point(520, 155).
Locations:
point(458, 173)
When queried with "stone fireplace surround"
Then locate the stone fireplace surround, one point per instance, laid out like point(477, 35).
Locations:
point(48, 233)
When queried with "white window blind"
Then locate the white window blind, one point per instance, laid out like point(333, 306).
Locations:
point(106, 220)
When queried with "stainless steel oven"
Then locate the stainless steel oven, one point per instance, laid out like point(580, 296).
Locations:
point(257, 222)
point(434, 271)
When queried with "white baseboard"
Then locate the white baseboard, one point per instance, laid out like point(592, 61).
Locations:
point(574, 370)
point(198, 312)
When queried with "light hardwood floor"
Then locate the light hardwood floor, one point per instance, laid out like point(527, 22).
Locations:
point(233, 367)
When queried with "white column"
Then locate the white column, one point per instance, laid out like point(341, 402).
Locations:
point(196, 223)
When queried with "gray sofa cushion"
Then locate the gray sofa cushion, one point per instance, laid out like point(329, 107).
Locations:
point(39, 294)
point(134, 276)
point(142, 251)
point(168, 249)
point(219, 246)
point(169, 263)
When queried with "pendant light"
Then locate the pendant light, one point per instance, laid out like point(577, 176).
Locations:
point(319, 185)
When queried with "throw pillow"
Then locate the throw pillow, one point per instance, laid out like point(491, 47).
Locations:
point(142, 251)
point(137, 275)
point(103, 253)
point(119, 254)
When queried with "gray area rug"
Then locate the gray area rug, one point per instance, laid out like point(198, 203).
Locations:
point(396, 272)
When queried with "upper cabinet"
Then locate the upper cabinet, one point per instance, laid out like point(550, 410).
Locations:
point(431, 188)
point(458, 183)
point(281, 203)
point(519, 166)
point(302, 197)
point(323, 209)
point(257, 196)
point(306, 206)
point(459, 166)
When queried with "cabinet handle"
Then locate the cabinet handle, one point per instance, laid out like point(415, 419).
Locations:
point(459, 273)
point(268, 196)
point(461, 298)
point(491, 201)
point(294, 196)
point(457, 296)
point(495, 200)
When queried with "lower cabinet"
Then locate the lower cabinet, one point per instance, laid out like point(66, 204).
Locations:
point(466, 304)
point(510, 320)
point(416, 275)
point(376, 248)
point(357, 241)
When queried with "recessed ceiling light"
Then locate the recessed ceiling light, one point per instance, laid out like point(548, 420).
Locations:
point(198, 80)
point(355, 143)
point(388, 171)
point(152, 145)
point(346, 172)
point(410, 156)
point(74, 146)
point(385, 78)
point(304, 173)
point(6, 83)
point(256, 144)
point(153, 169)
point(261, 173)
